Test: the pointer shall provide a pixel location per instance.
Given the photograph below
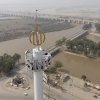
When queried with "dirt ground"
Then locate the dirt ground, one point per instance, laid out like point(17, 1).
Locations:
point(78, 66)
point(94, 37)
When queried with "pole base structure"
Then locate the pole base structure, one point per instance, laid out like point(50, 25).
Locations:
point(37, 61)
point(38, 85)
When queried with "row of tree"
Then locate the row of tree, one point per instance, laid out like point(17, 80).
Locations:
point(7, 62)
point(84, 46)
point(98, 27)
point(61, 41)
point(87, 26)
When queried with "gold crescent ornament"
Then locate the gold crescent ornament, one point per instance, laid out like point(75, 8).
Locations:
point(37, 37)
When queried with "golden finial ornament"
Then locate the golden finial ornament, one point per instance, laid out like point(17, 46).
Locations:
point(37, 37)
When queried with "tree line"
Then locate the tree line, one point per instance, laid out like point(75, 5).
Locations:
point(61, 41)
point(98, 27)
point(8, 62)
point(84, 46)
point(87, 26)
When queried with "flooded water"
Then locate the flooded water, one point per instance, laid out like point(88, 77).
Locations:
point(78, 66)
point(23, 44)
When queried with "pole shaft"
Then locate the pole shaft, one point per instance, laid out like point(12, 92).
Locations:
point(38, 85)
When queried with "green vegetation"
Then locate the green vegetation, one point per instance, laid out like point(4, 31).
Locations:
point(84, 77)
point(8, 62)
point(87, 26)
point(61, 41)
point(58, 64)
point(53, 69)
point(84, 46)
point(16, 57)
point(98, 27)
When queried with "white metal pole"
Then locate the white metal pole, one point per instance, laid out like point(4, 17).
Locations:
point(38, 85)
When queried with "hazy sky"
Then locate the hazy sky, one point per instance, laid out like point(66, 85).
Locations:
point(52, 3)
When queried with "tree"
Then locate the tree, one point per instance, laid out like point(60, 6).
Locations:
point(1, 63)
point(63, 40)
point(7, 62)
point(84, 46)
point(53, 70)
point(8, 66)
point(6, 57)
point(58, 43)
point(98, 27)
point(16, 57)
point(57, 64)
point(87, 26)
point(68, 42)
point(84, 77)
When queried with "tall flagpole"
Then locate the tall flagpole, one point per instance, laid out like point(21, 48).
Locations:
point(37, 60)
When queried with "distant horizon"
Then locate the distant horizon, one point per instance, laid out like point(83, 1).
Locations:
point(30, 6)
point(49, 4)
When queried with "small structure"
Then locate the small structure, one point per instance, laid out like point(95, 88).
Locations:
point(18, 81)
point(25, 94)
point(95, 86)
point(65, 77)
